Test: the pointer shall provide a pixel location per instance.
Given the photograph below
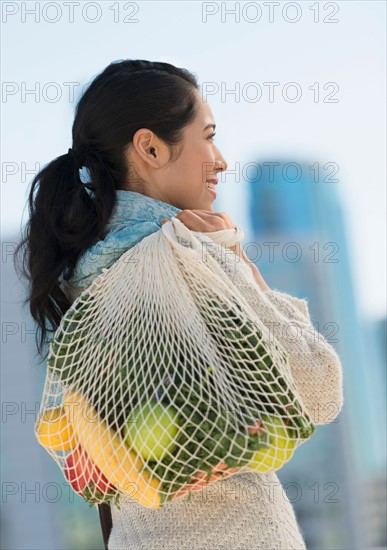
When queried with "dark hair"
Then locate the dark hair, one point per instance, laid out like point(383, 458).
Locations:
point(64, 218)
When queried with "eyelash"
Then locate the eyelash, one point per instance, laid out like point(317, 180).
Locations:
point(212, 136)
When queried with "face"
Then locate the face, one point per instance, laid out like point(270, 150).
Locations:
point(183, 182)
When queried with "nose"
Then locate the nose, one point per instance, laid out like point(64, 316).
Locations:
point(221, 164)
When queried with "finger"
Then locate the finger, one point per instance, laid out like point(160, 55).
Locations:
point(194, 222)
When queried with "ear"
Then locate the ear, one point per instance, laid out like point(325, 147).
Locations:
point(147, 145)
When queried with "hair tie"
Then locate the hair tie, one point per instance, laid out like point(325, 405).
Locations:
point(83, 178)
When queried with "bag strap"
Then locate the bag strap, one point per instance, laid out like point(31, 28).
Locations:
point(105, 518)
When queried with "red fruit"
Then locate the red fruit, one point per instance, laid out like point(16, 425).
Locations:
point(85, 477)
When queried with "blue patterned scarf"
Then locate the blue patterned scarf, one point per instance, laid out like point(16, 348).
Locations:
point(134, 217)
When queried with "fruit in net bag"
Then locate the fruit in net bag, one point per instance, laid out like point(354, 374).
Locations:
point(86, 479)
point(53, 430)
point(121, 466)
point(184, 333)
point(281, 449)
point(151, 430)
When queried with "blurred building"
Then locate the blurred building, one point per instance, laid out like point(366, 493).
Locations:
point(297, 238)
point(374, 357)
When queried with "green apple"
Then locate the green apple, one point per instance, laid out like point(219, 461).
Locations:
point(281, 448)
point(151, 429)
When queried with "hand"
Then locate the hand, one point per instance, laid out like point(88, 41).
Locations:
point(205, 221)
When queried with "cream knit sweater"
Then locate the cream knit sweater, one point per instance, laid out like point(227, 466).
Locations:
point(248, 510)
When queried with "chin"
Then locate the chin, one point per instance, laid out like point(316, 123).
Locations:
point(209, 203)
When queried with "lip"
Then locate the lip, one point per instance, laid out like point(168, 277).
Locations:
point(214, 180)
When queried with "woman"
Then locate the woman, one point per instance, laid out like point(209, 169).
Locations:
point(146, 137)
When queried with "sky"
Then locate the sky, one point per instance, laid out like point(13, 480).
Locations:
point(327, 106)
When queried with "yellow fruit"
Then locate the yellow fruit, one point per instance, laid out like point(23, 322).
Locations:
point(281, 448)
point(109, 453)
point(54, 432)
point(269, 460)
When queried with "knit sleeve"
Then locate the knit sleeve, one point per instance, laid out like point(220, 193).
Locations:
point(314, 364)
point(286, 303)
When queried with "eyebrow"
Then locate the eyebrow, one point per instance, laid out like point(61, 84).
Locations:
point(209, 126)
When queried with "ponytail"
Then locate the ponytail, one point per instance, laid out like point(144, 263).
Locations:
point(64, 221)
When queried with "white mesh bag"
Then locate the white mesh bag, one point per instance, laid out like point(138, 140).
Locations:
point(161, 378)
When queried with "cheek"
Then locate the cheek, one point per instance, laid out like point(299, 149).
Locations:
point(207, 165)
point(195, 167)
point(206, 159)
point(197, 163)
